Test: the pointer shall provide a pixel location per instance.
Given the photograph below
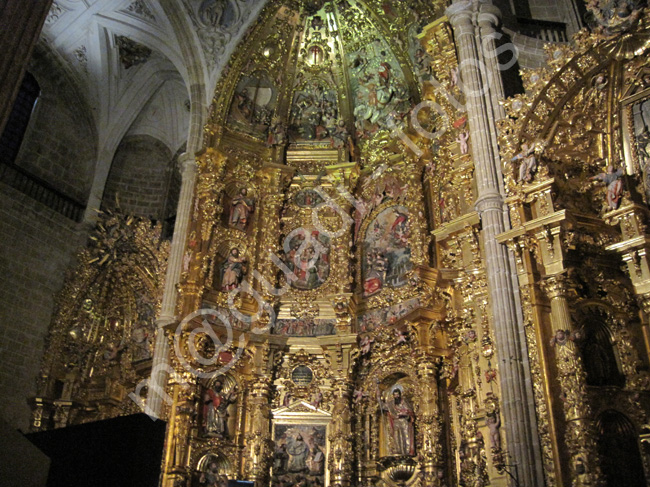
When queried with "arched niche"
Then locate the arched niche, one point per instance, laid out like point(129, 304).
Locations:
point(618, 446)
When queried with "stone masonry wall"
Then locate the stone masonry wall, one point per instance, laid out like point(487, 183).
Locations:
point(140, 177)
point(60, 143)
point(37, 245)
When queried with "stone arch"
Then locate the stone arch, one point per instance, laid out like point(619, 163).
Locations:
point(140, 178)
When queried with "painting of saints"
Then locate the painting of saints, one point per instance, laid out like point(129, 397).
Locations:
point(298, 452)
point(400, 423)
point(307, 256)
point(232, 271)
point(299, 457)
point(387, 255)
point(241, 209)
point(215, 409)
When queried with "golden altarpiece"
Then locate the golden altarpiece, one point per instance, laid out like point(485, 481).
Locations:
point(337, 325)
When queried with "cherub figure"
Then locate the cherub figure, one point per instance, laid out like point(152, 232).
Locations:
point(462, 139)
point(401, 337)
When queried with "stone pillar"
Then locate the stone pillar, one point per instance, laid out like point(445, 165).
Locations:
point(579, 437)
point(518, 406)
point(174, 268)
point(20, 25)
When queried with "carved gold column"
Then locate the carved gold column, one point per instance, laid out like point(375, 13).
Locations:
point(579, 436)
point(518, 405)
point(271, 204)
point(341, 454)
point(204, 216)
point(429, 424)
point(177, 443)
point(259, 449)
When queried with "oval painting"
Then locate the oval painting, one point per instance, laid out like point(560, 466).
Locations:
point(308, 198)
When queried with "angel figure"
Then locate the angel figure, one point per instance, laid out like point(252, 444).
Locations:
point(528, 164)
point(614, 185)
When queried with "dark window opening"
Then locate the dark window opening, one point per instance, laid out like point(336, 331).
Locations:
point(14, 132)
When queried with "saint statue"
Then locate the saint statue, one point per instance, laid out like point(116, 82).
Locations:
point(215, 410)
point(614, 184)
point(528, 164)
point(232, 271)
point(400, 420)
point(240, 210)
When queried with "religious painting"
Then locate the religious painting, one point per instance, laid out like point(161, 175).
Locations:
point(306, 254)
point(375, 318)
point(308, 198)
point(381, 94)
point(314, 113)
point(300, 455)
point(305, 327)
point(232, 271)
point(219, 398)
point(386, 251)
point(253, 105)
point(398, 418)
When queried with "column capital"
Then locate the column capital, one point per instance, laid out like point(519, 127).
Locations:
point(460, 14)
point(489, 16)
point(187, 163)
point(555, 286)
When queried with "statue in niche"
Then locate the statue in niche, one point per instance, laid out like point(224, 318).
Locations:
point(614, 184)
point(400, 422)
point(215, 409)
point(232, 271)
point(212, 478)
point(141, 338)
point(241, 209)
